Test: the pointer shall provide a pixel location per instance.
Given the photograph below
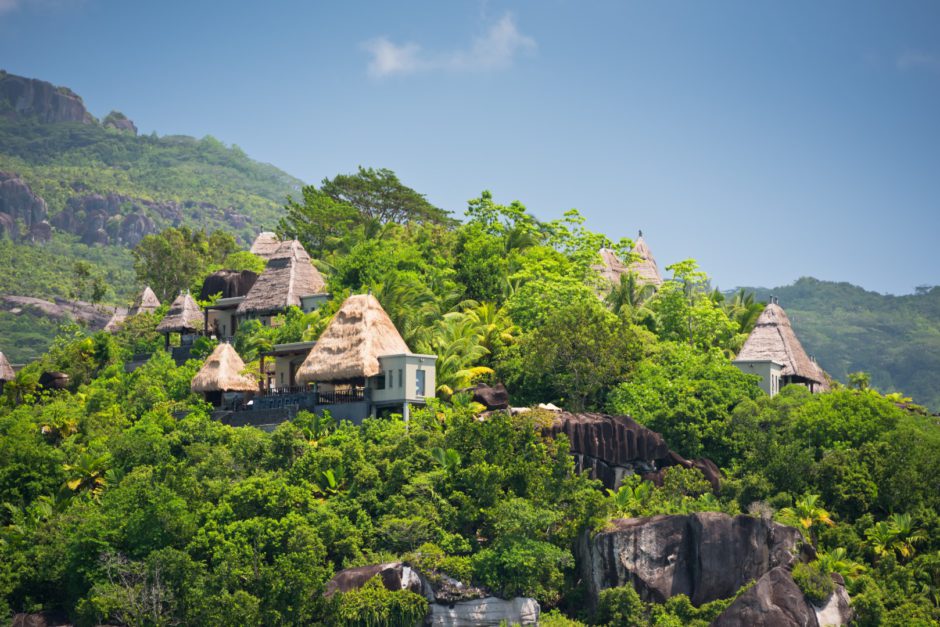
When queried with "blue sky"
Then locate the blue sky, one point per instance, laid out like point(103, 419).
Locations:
point(766, 140)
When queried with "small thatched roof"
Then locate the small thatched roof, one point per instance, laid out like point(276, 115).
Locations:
point(611, 267)
point(773, 339)
point(265, 245)
point(288, 276)
point(222, 372)
point(184, 316)
point(117, 319)
point(6, 370)
point(352, 343)
point(147, 302)
point(645, 267)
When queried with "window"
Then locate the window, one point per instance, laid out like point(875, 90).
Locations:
point(419, 382)
point(401, 379)
point(380, 382)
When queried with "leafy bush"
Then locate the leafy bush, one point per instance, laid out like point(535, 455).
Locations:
point(373, 605)
point(815, 584)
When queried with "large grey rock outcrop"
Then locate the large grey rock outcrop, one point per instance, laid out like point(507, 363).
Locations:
point(774, 601)
point(487, 612)
point(450, 603)
point(43, 101)
point(19, 202)
point(613, 447)
point(706, 556)
point(838, 610)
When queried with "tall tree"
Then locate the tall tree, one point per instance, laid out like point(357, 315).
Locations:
point(173, 259)
point(379, 195)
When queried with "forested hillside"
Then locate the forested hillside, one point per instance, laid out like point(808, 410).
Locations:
point(127, 500)
point(103, 181)
point(896, 339)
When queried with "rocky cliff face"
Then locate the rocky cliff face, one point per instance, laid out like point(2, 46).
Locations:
point(776, 601)
point(119, 121)
point(612, 447)
point(29, 97)
point(706, 556)
point(19, 205)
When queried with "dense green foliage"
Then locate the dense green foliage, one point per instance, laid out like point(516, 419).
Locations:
point(127, 502)
point(896, 339)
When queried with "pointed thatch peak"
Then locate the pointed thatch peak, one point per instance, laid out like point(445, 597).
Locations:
point(611, 267)
point(184, 316)
point(352, 343)
point(645, 267)
point(288, 276)
point(116, 321)
point(222, 372)
point(6, 370)
point(265, 245)
point(773, 339)
point(147, 302)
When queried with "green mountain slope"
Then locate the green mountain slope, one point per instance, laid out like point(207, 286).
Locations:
point(108, 185)
point(894, 338)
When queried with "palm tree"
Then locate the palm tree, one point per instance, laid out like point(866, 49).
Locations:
point(631, 497)
point(905, 535)
point(806, 513)
point(88, 473)
point(455, 340)
point(630, 294)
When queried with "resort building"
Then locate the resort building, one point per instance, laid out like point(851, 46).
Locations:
point(221, 380)
point(359, 367)
point(645, 268)
point(146, 302)
point(185, 318)
point(265, 245)
point(773, 352)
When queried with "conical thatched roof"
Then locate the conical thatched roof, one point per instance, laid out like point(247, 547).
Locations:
point(773, 339)
point(352, 343)
point(184, 316)
point(117, 319)
point(265, 245)
point(6, 370)
point(288, 276)
point(222, 372)
point(147, 302)
point(611, 267)
point(645, 267)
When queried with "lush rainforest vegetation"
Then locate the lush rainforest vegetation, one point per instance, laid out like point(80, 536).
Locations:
point(125, 502)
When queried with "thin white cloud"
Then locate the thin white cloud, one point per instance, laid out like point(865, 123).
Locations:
point(916, 60)
point(8, 5)
point(496, 49)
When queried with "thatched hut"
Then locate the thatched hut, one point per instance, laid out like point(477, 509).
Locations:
point(116, 321)
point(773, 351)
point(6, 371)
point(185, 317)
point(645, 267)
point(265, 245)
point(147, 302)
point(612, 267)
point(288, 277)
point(350, 346)
point(222, 373)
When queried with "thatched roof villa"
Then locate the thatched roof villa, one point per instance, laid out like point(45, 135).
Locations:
point(265, 245)
point(612, 267)
point(287, 279)
point(185, 317)
point(221, 373)
point(773, 351)
point(351, 345)
point(147, 302)
point(362, 351)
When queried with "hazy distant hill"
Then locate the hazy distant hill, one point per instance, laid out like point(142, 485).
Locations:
point(895, 338)
point(62, 170)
